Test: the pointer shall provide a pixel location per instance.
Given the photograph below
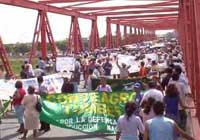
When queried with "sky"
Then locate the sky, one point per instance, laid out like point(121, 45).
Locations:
point(17, 25)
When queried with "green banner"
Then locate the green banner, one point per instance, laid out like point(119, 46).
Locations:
point(87, 112)
point(4, 108)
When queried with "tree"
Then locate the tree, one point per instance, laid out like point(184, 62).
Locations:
point(61, 45)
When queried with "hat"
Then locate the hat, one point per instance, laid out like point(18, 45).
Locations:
point(137, 85)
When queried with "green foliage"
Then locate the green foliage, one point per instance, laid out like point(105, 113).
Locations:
point(62, 45)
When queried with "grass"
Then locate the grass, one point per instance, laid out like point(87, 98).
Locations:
point(16, 64)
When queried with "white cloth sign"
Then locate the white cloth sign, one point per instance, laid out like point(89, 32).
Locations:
point(65, 63)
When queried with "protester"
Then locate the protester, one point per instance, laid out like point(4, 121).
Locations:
point(152, 92)
point(23, 73)
point(143, 70)
point(172, 100)
point(129, 124)
point(161, 127)
point(167, 77)
point(103, 87)
point(182, 95)
point(107, 66)
point(89, 80)
point(124, 73)
point(17, 104)
point(38, 72)
point(31, 115)
point(29, 69)
point(147, 112)
point(41, 63)
point(67, 86)
point(42, 91)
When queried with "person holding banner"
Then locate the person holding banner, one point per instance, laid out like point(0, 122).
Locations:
point(67, 86)
point(124, 73)
point(129, 124)
point(17, 104)
point(43, 90)
point(103, 87)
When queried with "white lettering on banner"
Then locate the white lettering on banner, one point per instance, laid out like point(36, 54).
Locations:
point(65, 63)
point(111, 128)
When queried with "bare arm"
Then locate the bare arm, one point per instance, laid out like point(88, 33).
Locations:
point(146, 132)
point(182, 133)
point(118, 135)
point(118, 63)
point(184, 106)
point(129, 67)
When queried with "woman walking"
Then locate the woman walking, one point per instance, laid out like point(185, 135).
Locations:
point(129, 124)
point(31, 115)
point(17, 104)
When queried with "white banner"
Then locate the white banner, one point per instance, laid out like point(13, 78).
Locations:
point(129, 61)
point(65, 63)
point(54, 83)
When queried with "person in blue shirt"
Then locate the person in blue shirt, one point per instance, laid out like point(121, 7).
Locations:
point(161, 127)
point(172, 102)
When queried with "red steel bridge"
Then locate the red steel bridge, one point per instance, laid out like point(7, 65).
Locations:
point(140, 21)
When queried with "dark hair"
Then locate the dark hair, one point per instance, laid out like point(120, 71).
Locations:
point(168, 70)
point(153, 62)
point(158, 108)
point(152, 84)
point(149, 104)
point(31, 90)
point(142, 63)
point(130, 107)
point(23, 67)
point(90, 71)
point(40, 79)
point(175, 77)
point(66, 79)
point(18, 84)
point(172, 90)
point(178, 69)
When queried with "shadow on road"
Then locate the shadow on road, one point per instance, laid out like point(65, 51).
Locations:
point(79, 137)
point(8, 137)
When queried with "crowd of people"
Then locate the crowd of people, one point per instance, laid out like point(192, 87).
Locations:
point(158, 113)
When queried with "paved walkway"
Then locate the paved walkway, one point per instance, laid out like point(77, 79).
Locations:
point(9, 126)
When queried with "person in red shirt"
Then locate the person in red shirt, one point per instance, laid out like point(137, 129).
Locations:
point(143, 71)
point(17, 103)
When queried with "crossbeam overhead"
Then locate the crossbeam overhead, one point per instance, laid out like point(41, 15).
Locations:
point(47, 8)
point(161, 4)
point(136, 12)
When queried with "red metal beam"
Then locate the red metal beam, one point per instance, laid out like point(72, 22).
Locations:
point(143, 16)
point(61, 1)
point(149, 25)
point(136, 12)
point(47, 8)
point(79, 4)
point(158, 5)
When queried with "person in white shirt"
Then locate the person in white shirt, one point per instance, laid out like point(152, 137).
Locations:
point(124, 73)
point(129, 124)
point(152, 92)
point(103, 87)
point(29, 69)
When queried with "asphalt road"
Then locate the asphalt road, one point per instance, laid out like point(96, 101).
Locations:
point(9, 126)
